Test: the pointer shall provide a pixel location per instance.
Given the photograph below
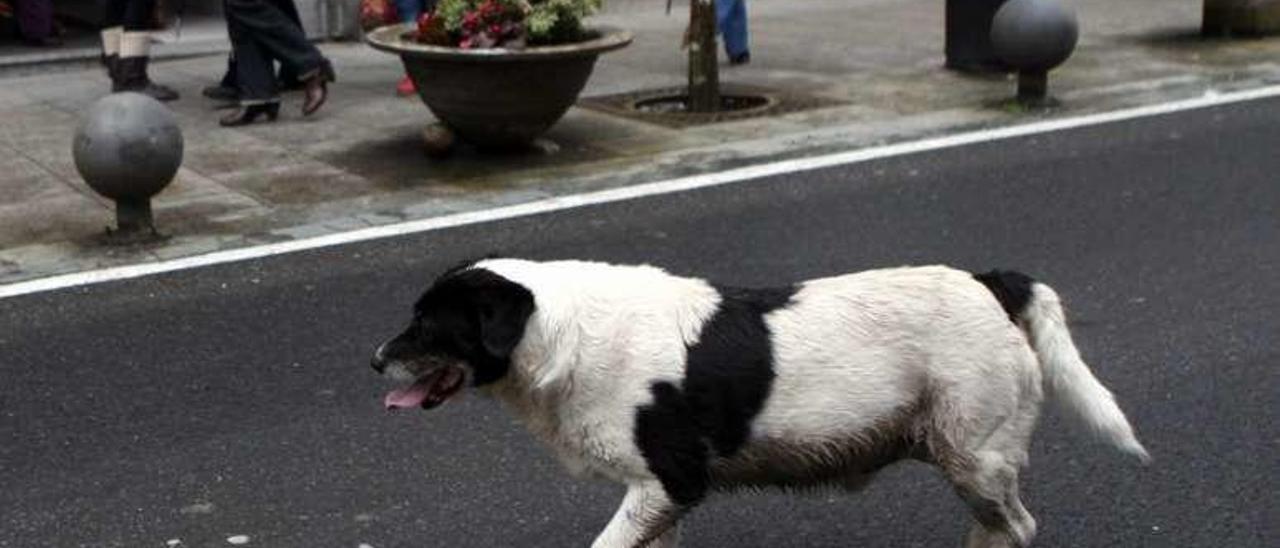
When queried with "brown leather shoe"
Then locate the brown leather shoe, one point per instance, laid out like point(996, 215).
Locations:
point(317, 88)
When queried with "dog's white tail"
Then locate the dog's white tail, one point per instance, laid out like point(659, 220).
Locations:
point(1068, 378)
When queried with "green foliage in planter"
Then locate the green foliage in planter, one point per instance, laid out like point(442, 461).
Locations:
point(558, 21)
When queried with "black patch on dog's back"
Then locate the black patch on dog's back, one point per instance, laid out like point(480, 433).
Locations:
point(728, 377)
point(1011, 288)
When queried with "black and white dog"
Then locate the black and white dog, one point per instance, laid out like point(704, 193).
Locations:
point(678, 388)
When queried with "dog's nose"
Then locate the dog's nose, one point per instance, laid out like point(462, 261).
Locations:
point(379, 362)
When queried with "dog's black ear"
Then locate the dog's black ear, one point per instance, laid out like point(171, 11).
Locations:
point(503, 308)
point(497, 308)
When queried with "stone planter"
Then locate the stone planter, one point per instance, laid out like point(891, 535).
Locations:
point(498, 98)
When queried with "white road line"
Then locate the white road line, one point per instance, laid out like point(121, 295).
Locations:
point(561, 203)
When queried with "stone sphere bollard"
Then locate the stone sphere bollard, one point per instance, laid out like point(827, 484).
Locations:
point(1033, 37)
point(128, 148)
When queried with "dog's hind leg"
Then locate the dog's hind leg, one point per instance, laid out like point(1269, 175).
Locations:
point(983, 465)
point(669, 539)
point(988, 483)
point(647, 518)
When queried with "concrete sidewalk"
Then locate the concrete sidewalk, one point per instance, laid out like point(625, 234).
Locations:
point(875, 63)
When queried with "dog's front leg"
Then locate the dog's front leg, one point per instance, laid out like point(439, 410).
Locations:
point(669, 539)
point(646, 519)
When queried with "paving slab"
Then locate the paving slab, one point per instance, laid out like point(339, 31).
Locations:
point(359, 162)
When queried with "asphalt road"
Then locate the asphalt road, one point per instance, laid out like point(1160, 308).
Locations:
point(237, 400)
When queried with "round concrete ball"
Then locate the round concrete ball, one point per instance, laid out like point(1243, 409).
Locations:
point(1034, 35)
point(128, 146)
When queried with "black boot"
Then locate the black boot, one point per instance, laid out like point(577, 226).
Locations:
point(135, 54)
point(227, 89)
point(221, 93)
point(248, 114)
point(112, 64)
point(111, 61)
point(132, 72)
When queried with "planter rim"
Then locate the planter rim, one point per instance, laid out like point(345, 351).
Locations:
point(390, 39)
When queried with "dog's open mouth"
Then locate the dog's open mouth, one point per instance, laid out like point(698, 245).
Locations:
point(429, 391)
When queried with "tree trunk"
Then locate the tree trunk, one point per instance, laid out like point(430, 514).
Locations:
point(704, 68)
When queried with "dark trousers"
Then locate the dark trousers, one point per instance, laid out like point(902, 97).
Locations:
point(287, 77)
point(409, 10)
point(133, 15)
point(261, 33)
point(35, 18)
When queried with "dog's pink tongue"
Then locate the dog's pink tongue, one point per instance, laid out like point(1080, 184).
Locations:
point(405, 398)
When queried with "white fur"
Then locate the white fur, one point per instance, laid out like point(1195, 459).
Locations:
point(927, 350)
point(1069, 378)
point(599, 336)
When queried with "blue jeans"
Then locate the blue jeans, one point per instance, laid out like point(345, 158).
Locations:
point(731, 18)
point(409, 10)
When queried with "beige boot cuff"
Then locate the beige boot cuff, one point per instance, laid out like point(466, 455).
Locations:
point(111, 40)
point(135, 44)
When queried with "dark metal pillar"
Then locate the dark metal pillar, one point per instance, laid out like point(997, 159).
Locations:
point(133, 217)
point(1224, 18)
point(1033, 88)
point(968, 41)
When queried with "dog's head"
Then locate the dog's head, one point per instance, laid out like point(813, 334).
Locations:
point(464, 329)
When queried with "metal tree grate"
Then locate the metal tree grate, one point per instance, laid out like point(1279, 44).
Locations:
point(755, 102)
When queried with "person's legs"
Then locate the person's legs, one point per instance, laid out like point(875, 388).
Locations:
point(255, 80)
point(290, 10)
point(731, 17)
point(135, 51)
point(113, 20)
point(287, 77)
point(229, 77)
point(255, 74)
point(227, 89)
point(279, 38)
point(35, 21)
point(408, 10)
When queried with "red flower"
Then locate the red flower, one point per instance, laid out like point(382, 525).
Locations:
point(471, 19)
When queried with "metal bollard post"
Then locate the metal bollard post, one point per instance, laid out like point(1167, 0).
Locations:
point(1224, 18)
point(128, 148)
point(1034, 36)
point(968, 40)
